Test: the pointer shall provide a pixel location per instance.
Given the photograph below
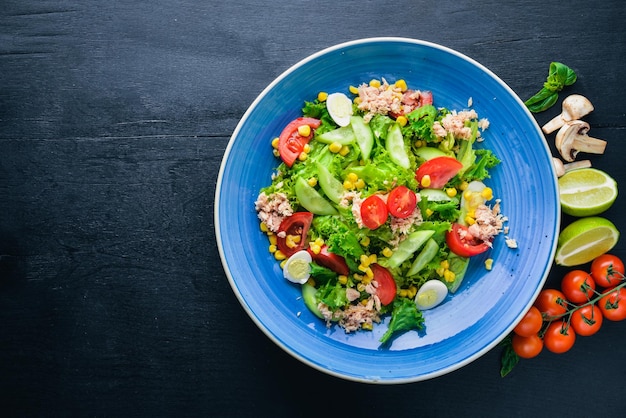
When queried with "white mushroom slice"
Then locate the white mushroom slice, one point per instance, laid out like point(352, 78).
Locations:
point(572, 138)
point(575, 107)
point(561, 168)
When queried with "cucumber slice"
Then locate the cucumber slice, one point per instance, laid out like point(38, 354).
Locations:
point(409, 246)
point(395, 147)
point(308, 295)
point(435, 195)
point(343, 136)
point(363, 134)
point(312, 200)
point(428, 153)
point(430, 250)
point(332, 188)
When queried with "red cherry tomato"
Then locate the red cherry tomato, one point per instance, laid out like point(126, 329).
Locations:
point(386, 289)
point(559, 338)
point(527, 347)
point(333, 261)
point(374, 212)
point(586, 320)
point(401, 202)
point(551, 302)
point(530, 324)
point(578, 286)
point(613, 304)
point(607, 270)
point(462, 243)
point(297, 224)
point(291, 143)
point(440, 170)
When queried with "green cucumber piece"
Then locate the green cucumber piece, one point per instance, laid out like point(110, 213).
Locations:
point(435, 195)
point(428, 153)
point(409, 246)
point(395, 147)
point(310, 300)
point(458, 265)
point(363, 134)
point(332, 188)
point(430, 250)
point(312, 200)
point(343, 136)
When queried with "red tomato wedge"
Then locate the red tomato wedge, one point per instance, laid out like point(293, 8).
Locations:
point(298, 225)
point(440, 170)
point(386, 289)
point(374, 212)
point(332, 261)
point(291, 143)
point(462, 243)
point(401, 202)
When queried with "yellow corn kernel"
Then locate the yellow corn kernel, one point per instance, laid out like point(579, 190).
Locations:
point(364, 302)
point(306, 148)
point(360, 184)
point(365, 241)
point(445, 264)
point(344, 150)
point(312, 182)
point(463, 185)
point(403, 293)
point(319, 241)
point(275, 142)
point(348, 185)
point(273, 239)
point(440, 271)
point(449, 276)
point(373, 258)
point(360, 287)
point(356, 100)
point(335, 147)
point(367, 326)
point(304, 130)
point(402, 120)
point(279, 255)
point(292, 241)
point(315, 248)
point(451, 192)
point(467, 194)
point(282, 264)
point(263, 227)
point(365, 260)
point(362, 268)
point(303, 156)
point(387, 252)
point(272, 248)
point(429, 212)
point(375, 83)
point(276, 153)
point(370, 275)
point(419, 143)
point(354, 90)
point(311, 282)
point(322, 96)
point(401, 84)
point(342, 279)
point(352, 177)
point(487, 193)
point(412, 291)
point(425, 182)
point(489, 263)
point(469, 220)
point(357, 277)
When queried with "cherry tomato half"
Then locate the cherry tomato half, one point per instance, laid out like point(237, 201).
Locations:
point(462, 243)
point(440, 170)
point(559, 338)
point(613, 304)
point(527, 347)
point(586, 320)
point(374, 212)
point(291, 143)
point(411, 100)
point(332, 261)
point(607, 270)
point(298, 225)
point(578, 286)
point(401, 202)
point(530, 324)
point(387, 288)
point(551, 302)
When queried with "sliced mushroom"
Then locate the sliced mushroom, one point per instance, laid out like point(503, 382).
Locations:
point(572, 138)
point(575, 107)
point(561, 168)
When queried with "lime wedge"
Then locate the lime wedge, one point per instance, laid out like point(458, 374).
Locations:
point(585, 239)
point(586, 192)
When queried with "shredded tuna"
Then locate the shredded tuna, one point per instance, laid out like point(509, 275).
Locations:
point(379, 100)
point(489, 223)
point(272, 209)
point(510, 242)
point(454, 123)
point(352, 294)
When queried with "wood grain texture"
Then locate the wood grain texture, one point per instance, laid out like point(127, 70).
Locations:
point(114, 117)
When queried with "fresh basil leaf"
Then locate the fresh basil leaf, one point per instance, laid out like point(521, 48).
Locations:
point(559, 76)
point(509, 358)
point(541, 101)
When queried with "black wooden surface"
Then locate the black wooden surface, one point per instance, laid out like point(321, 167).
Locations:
point(114, 117)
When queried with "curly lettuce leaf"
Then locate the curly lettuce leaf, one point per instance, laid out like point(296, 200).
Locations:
point(404, 317)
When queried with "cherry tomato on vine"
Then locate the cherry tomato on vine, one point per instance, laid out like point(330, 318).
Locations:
point(527, 347)
point(607, 270)
point(559, 337)
point(551, 302)
point(586, 320)
point(613, 304)
point(530, 324)
point(578, 286)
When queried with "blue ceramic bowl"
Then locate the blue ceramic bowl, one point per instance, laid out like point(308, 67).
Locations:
point(488, 304)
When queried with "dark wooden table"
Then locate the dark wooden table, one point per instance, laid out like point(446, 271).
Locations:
point(114, 117)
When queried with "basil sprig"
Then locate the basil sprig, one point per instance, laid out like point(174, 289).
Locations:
point(560, 75)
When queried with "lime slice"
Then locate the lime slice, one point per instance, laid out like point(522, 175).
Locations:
point(585, 239)
point(586, 192)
